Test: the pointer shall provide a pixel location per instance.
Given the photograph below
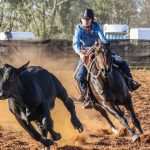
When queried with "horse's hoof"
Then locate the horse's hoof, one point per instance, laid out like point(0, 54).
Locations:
point(114, 130)
point(57, 137)
point(80, 129)
point(136, 138)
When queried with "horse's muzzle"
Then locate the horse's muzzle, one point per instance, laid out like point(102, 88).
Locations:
point(105, 72)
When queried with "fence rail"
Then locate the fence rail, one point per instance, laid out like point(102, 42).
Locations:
point(135, 52)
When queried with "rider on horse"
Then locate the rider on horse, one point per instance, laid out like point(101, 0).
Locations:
point(87, 32)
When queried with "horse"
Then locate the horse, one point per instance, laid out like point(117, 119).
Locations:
point(108, 85)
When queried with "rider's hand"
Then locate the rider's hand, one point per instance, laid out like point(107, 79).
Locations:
point(82, 53)
point(85, 60)
point(83, 56)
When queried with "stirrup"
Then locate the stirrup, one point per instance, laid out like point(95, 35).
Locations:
point(133, 85)
point(88, 104)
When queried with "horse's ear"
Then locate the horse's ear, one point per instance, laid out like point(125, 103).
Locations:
point(99, 42)
point(24, 67)
point(96, 43)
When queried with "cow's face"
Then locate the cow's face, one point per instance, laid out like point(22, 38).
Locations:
point(9, 80)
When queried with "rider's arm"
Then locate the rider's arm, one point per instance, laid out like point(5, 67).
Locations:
point(77, 43)
point(100, 33)
point(76, 40)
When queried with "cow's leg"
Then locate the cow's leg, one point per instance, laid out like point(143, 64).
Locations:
point(34, 134)
point(43, 130)
point(68, 102)
point(130, 109)
point(105, 115)
point(48, 122)
point(111, 108)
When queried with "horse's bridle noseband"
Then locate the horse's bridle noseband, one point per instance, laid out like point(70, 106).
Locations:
point(100, 70)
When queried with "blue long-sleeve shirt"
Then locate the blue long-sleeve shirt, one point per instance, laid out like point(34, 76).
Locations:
point(82, 39)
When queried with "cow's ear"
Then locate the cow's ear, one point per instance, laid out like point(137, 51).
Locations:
point(25, 65)
point(22, 68)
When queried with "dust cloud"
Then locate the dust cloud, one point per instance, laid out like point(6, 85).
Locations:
point(62, 68)
point(97, 134)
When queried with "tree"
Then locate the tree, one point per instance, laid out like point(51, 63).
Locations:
point(144, 17)
point(57, 18)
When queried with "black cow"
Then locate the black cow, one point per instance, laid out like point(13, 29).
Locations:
point(31, 93)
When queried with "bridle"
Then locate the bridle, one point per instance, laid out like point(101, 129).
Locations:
point(89, 67)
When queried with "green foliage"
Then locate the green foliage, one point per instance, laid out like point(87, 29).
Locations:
point(57, 18)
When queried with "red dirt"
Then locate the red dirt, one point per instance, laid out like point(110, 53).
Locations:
point(97, 134)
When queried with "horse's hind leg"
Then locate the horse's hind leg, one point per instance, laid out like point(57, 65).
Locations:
point(68, 102)
point(105, 115)
point(130, 109)
point(111, 108)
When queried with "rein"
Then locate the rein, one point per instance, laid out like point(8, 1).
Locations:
point(91, 64)
point(100, 70)
point(90, 72)
point(89, 51)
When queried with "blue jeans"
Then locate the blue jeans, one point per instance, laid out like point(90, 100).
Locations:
point(81, 74)
point(123, 66)
point(81, 78)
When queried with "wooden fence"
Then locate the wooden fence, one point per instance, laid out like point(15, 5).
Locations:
point(135, 52)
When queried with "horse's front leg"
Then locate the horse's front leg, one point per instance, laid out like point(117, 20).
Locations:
point(111, 108)
point(130, 109)
point(120, 111)
point(105, 115)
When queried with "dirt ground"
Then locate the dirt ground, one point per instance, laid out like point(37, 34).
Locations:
point(97, 134)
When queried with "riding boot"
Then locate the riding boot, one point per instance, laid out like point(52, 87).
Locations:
point(132, 85)
point(82, 84)
point(89, 103)
point(82, 91)
point(87, 100)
